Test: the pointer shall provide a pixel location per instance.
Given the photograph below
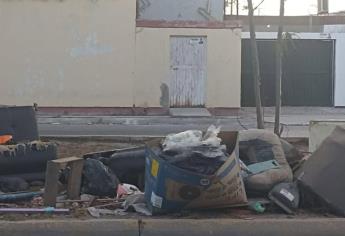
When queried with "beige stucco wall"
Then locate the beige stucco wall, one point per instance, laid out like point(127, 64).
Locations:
point(67, 53)
point(89, 53)
point(152, 65)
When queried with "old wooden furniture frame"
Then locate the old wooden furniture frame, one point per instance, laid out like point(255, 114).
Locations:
point(75, 164)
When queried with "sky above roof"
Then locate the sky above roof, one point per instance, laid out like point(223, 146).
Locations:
point(295, 7)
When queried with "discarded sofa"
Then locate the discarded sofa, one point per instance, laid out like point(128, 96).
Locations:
point(266, 166)
point(19, 122)
point(26, 157)
point(321, 177)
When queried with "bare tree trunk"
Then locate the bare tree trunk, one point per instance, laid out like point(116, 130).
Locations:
point(256, 67)
point(237, 8)
point(279, 69)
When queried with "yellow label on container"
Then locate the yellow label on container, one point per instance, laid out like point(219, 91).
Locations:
point(154, 168)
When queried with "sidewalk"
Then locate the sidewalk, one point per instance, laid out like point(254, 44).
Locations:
point(295, 121)
point(174, 227)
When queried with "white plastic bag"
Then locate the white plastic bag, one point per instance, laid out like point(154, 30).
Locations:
point(211, 136)
point(192, 138)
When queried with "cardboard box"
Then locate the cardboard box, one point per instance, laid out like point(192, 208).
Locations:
point(169, 188)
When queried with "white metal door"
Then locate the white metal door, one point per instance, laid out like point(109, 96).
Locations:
point(188, 58)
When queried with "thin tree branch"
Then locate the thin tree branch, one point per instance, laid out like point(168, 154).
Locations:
point(255, 8)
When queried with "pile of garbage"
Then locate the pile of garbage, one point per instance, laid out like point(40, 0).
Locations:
point(195, 170)
point(191, 170)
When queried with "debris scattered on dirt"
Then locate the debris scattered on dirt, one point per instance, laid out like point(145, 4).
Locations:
point(182, 173)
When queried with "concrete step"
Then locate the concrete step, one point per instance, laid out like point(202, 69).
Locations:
point(189, 112)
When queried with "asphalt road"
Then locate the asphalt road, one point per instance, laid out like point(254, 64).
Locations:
point(295, 120)
point(121, 130)
point(148, 129)
point(184, 227)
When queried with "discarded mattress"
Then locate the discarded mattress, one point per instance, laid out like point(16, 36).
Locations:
point(169, 188)
point(323, 173)
point(262, 149)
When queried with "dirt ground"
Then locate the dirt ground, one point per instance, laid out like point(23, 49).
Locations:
point(68, 147)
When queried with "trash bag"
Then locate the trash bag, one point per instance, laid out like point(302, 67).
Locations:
point(128, 166)
point(261, 146)
point(191, 151)
point(98, 179)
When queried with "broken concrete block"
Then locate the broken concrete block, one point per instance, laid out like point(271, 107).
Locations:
point(323, 173)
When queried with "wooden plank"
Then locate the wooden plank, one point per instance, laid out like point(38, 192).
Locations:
point(51, 184)
point(52, 177)
point(67, 159)
point(74, 179)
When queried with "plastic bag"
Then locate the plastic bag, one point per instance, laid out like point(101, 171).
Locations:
point(192, 138)
point(210, 137)
point(191, 151)
point(98, 179)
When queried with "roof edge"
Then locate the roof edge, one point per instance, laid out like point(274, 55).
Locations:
point(233, 24)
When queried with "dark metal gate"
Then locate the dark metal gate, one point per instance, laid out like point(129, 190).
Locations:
point(308, 73)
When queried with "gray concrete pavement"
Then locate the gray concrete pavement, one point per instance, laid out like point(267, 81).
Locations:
point(175, 227)
point(295, 122)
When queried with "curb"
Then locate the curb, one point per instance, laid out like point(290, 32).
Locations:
point(173, 227)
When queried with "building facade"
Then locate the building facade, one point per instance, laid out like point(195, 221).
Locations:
point(95, 53)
